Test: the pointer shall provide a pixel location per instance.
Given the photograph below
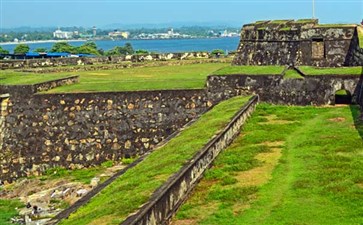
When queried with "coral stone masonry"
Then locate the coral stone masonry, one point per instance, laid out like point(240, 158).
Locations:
point(299, 42)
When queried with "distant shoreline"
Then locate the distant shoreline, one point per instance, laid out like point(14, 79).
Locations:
point(40, 41)
point(84, 40)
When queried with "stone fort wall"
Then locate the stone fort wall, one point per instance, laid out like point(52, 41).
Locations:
point(76, 130)
point(312, 90)
point(301, 42)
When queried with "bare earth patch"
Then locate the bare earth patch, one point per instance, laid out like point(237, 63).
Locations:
point(337, 119)
point(273, 119)
point(99, 74)
point(185, 222)
point(262, 174)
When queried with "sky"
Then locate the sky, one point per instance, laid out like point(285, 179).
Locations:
point(87, 13)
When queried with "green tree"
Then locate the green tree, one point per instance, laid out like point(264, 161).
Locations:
point(21, 49)
point(88, 48)
point(217, 52)
point(141, 52)
point(40, 50)
point(129, 49)
point(90, 44)
point(3, 51)
point(63, 47)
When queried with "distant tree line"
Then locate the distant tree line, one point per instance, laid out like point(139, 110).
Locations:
point(86, 48)
point(31, 35)
point(90, 48)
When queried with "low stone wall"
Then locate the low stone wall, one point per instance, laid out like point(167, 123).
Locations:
point(167, 199)
point(77, 130)
point(122, 65)
point(20, 91)
point(54, 62)
point(312, 90)
point(4, 98)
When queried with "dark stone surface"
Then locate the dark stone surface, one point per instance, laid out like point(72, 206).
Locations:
point(291, 43)
point(312, 90)
point(77, 130)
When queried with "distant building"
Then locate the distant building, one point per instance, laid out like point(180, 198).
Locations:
point(94, 29)
point(62, 34)
point(119, 34)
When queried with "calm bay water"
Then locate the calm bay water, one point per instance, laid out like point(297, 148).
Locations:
point(166, 45)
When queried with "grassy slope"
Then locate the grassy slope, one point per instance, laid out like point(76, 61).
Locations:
point(309, 70)
point(16, 78)
point(134, 188)
point(360, 36)
point(7, 209)
point(141, 78)
point(317, 179)
point(251, 70)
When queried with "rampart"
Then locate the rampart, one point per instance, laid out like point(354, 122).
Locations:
point(301, 42)
point(76, 130)
point(56, 62)
point(168, 198)
point(311, 90)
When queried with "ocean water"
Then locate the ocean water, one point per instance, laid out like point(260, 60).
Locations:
point(160, 46)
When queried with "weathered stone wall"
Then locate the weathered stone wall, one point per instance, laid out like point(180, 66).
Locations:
point(4, 98)
point(355, 56)
point(312, 90)
point(29, 90)
point(293, 43)
point(54, 62)
point(74, 69)
point(76, 130)
point(167, 199)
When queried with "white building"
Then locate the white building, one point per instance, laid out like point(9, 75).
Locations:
point(62, 34)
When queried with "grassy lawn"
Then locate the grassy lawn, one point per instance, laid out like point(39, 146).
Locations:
point(134, 188)
point(309, 70)
point(360, 35)
point(292, 74)
point(7, 209)
point(250, 70)
point(190, 76)
point(8, 77)
point(290, 165)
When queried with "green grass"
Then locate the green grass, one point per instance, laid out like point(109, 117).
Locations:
point(342, 92)
point(7, 210)
point(305, 21)
point(309, 70)
point(360, 36)
point(250, 70)
point(83, 175)
point(316, 180)
point(190, 76)
point(292, 74)
point(335, 25)
point(126, 194)
point(279, 21)
point(16, 78)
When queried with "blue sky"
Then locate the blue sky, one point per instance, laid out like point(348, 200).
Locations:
point(38, 13)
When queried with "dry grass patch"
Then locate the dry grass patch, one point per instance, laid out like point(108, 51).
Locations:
point(260, 175)
point(273, 119)
point(185, 222)
point(337, 119)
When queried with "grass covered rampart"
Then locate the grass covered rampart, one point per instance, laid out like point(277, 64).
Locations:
point(127, 193)
point(291, 165)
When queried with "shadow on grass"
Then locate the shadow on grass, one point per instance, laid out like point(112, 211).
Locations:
point(356, 109)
